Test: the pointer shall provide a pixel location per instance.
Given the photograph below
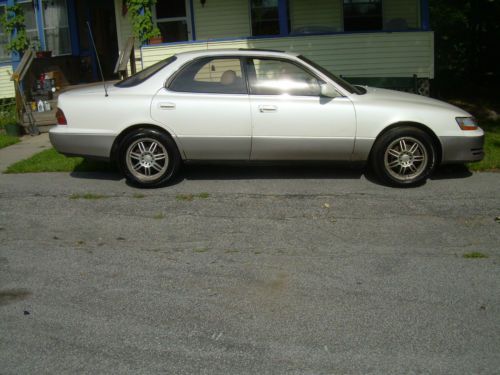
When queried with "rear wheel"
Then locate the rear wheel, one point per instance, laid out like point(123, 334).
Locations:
point(148, 158)
point(403, 156)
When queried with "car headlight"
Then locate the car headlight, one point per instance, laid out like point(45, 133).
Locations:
point(467, 123)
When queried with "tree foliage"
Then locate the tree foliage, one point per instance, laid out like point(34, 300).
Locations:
point(142, 19)
point(467, 36)
point(13, 23)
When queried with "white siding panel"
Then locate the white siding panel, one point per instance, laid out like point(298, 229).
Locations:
point(351, 55)
point(222, 19)
point(6, 85)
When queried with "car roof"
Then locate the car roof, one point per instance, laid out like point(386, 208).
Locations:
point(234, 51)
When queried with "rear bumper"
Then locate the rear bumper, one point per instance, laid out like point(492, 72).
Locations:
point(462, 149)
point(92, 145)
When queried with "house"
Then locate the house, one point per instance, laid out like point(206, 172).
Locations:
point(384, 43)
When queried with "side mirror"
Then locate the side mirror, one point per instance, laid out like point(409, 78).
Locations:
point(328, 90)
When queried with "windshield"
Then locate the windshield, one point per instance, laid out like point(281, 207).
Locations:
point(143, 75)
point(339, 81)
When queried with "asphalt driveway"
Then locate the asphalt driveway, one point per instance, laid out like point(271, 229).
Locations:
point(262, 270)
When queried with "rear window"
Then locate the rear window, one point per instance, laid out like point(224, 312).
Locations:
point(145, 74)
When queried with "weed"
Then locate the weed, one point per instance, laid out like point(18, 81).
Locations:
point(201, 250)
point(88, 196)
point(191, 197)
point(475, 255)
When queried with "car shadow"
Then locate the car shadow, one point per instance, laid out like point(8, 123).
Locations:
point(208, 171)
point(263, 172)
point(110, 175)
point(450, 172)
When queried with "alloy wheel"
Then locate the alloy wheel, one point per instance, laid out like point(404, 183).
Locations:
point(147, 159)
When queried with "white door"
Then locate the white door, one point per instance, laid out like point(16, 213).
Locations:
point(208, 108)
point(291, 120)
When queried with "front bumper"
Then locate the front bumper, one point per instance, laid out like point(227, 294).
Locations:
point(462, 149)
point(88, 144)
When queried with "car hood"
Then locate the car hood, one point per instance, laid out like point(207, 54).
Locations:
point(392, 96)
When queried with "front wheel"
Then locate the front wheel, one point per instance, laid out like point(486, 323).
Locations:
point(148, 158)
point(403, 156)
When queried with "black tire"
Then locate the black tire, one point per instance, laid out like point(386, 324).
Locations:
point(393, 162)
point(148, 158)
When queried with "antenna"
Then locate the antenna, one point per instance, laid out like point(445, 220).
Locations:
point(98, 61)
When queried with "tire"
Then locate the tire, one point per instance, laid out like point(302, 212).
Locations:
point(148, 158)
point(403, 157)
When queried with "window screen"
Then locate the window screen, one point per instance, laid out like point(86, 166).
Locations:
point(172, 20)
point(56, 28)
point(362, 15)
point(4, 39)
point(212, 75)
point(265, 17)
point(277, 77)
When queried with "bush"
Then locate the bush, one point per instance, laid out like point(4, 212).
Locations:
point(7, 114)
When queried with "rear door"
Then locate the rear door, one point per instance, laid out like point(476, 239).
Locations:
point(207, 106)
point(291, 120)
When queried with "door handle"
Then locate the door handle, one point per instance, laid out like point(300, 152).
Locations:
point(267, 108)
point(166, 105)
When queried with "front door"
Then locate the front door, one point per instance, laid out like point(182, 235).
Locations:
point(291, 120)
point(207, 107)
point(101, 16)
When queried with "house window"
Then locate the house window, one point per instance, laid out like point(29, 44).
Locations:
point(362, 15)
point(30, 23)
point(4, 39)
point(56, 28)
point(173, 20)
point(265, 17)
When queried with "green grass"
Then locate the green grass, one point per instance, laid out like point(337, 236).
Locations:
point(491, 161)
point(88, 196)
point(52, 161)
point(7, 140)
point(138, 195)
point(159, 216)
point(475, 255)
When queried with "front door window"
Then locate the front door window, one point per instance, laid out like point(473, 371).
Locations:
point(278, 77)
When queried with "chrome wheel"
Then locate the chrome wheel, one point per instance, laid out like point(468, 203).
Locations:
point(405, 158)
point(147, 159)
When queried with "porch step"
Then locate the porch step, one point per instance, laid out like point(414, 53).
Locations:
point(43, 120)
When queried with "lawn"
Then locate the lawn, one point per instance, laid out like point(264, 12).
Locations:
point(52, 161)
point(7, 140)
point(491, 161)
point(7, 117)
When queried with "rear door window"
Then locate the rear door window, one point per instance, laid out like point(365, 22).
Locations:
point(145, 74)
point(219, 75)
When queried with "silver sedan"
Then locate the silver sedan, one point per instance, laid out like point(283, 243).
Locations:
point(254, 105)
